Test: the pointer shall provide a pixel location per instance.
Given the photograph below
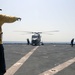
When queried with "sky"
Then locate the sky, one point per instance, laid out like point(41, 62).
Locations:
point(39, 15)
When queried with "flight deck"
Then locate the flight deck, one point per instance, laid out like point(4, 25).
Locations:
point(51, 59)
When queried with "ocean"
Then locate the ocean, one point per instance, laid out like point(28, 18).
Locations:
point(24, 42)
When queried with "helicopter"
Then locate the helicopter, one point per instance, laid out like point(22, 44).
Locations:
point(36, 37)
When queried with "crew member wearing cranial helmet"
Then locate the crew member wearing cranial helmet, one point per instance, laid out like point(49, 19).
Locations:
point(4, 19)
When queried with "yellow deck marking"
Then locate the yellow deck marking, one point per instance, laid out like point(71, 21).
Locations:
point(19, 63)
point(59, 67)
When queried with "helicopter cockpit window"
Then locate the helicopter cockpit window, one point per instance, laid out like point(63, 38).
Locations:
point(34, 36)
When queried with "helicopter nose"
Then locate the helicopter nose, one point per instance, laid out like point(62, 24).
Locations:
point(0, 9)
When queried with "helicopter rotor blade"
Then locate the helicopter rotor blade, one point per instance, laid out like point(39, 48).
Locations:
point(44, 32)
point(47, 34)
point(24, 31)
point(54, 31)
point(29, 32)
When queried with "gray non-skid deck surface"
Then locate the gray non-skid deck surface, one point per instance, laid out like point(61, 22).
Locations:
point(14, 52)
point(43, 59)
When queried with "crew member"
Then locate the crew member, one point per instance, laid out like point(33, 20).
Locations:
point(72, 41)
point(4, 19)
point(28, 42)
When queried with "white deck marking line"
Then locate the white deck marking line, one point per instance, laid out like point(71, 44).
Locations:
point(19, 63)
point(59, 67)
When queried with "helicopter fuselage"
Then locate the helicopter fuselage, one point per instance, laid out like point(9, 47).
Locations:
point(36, 39)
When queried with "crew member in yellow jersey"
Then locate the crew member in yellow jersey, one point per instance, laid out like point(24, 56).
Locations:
point(4, 19)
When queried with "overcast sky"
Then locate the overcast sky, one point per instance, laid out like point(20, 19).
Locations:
point(40, 15)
